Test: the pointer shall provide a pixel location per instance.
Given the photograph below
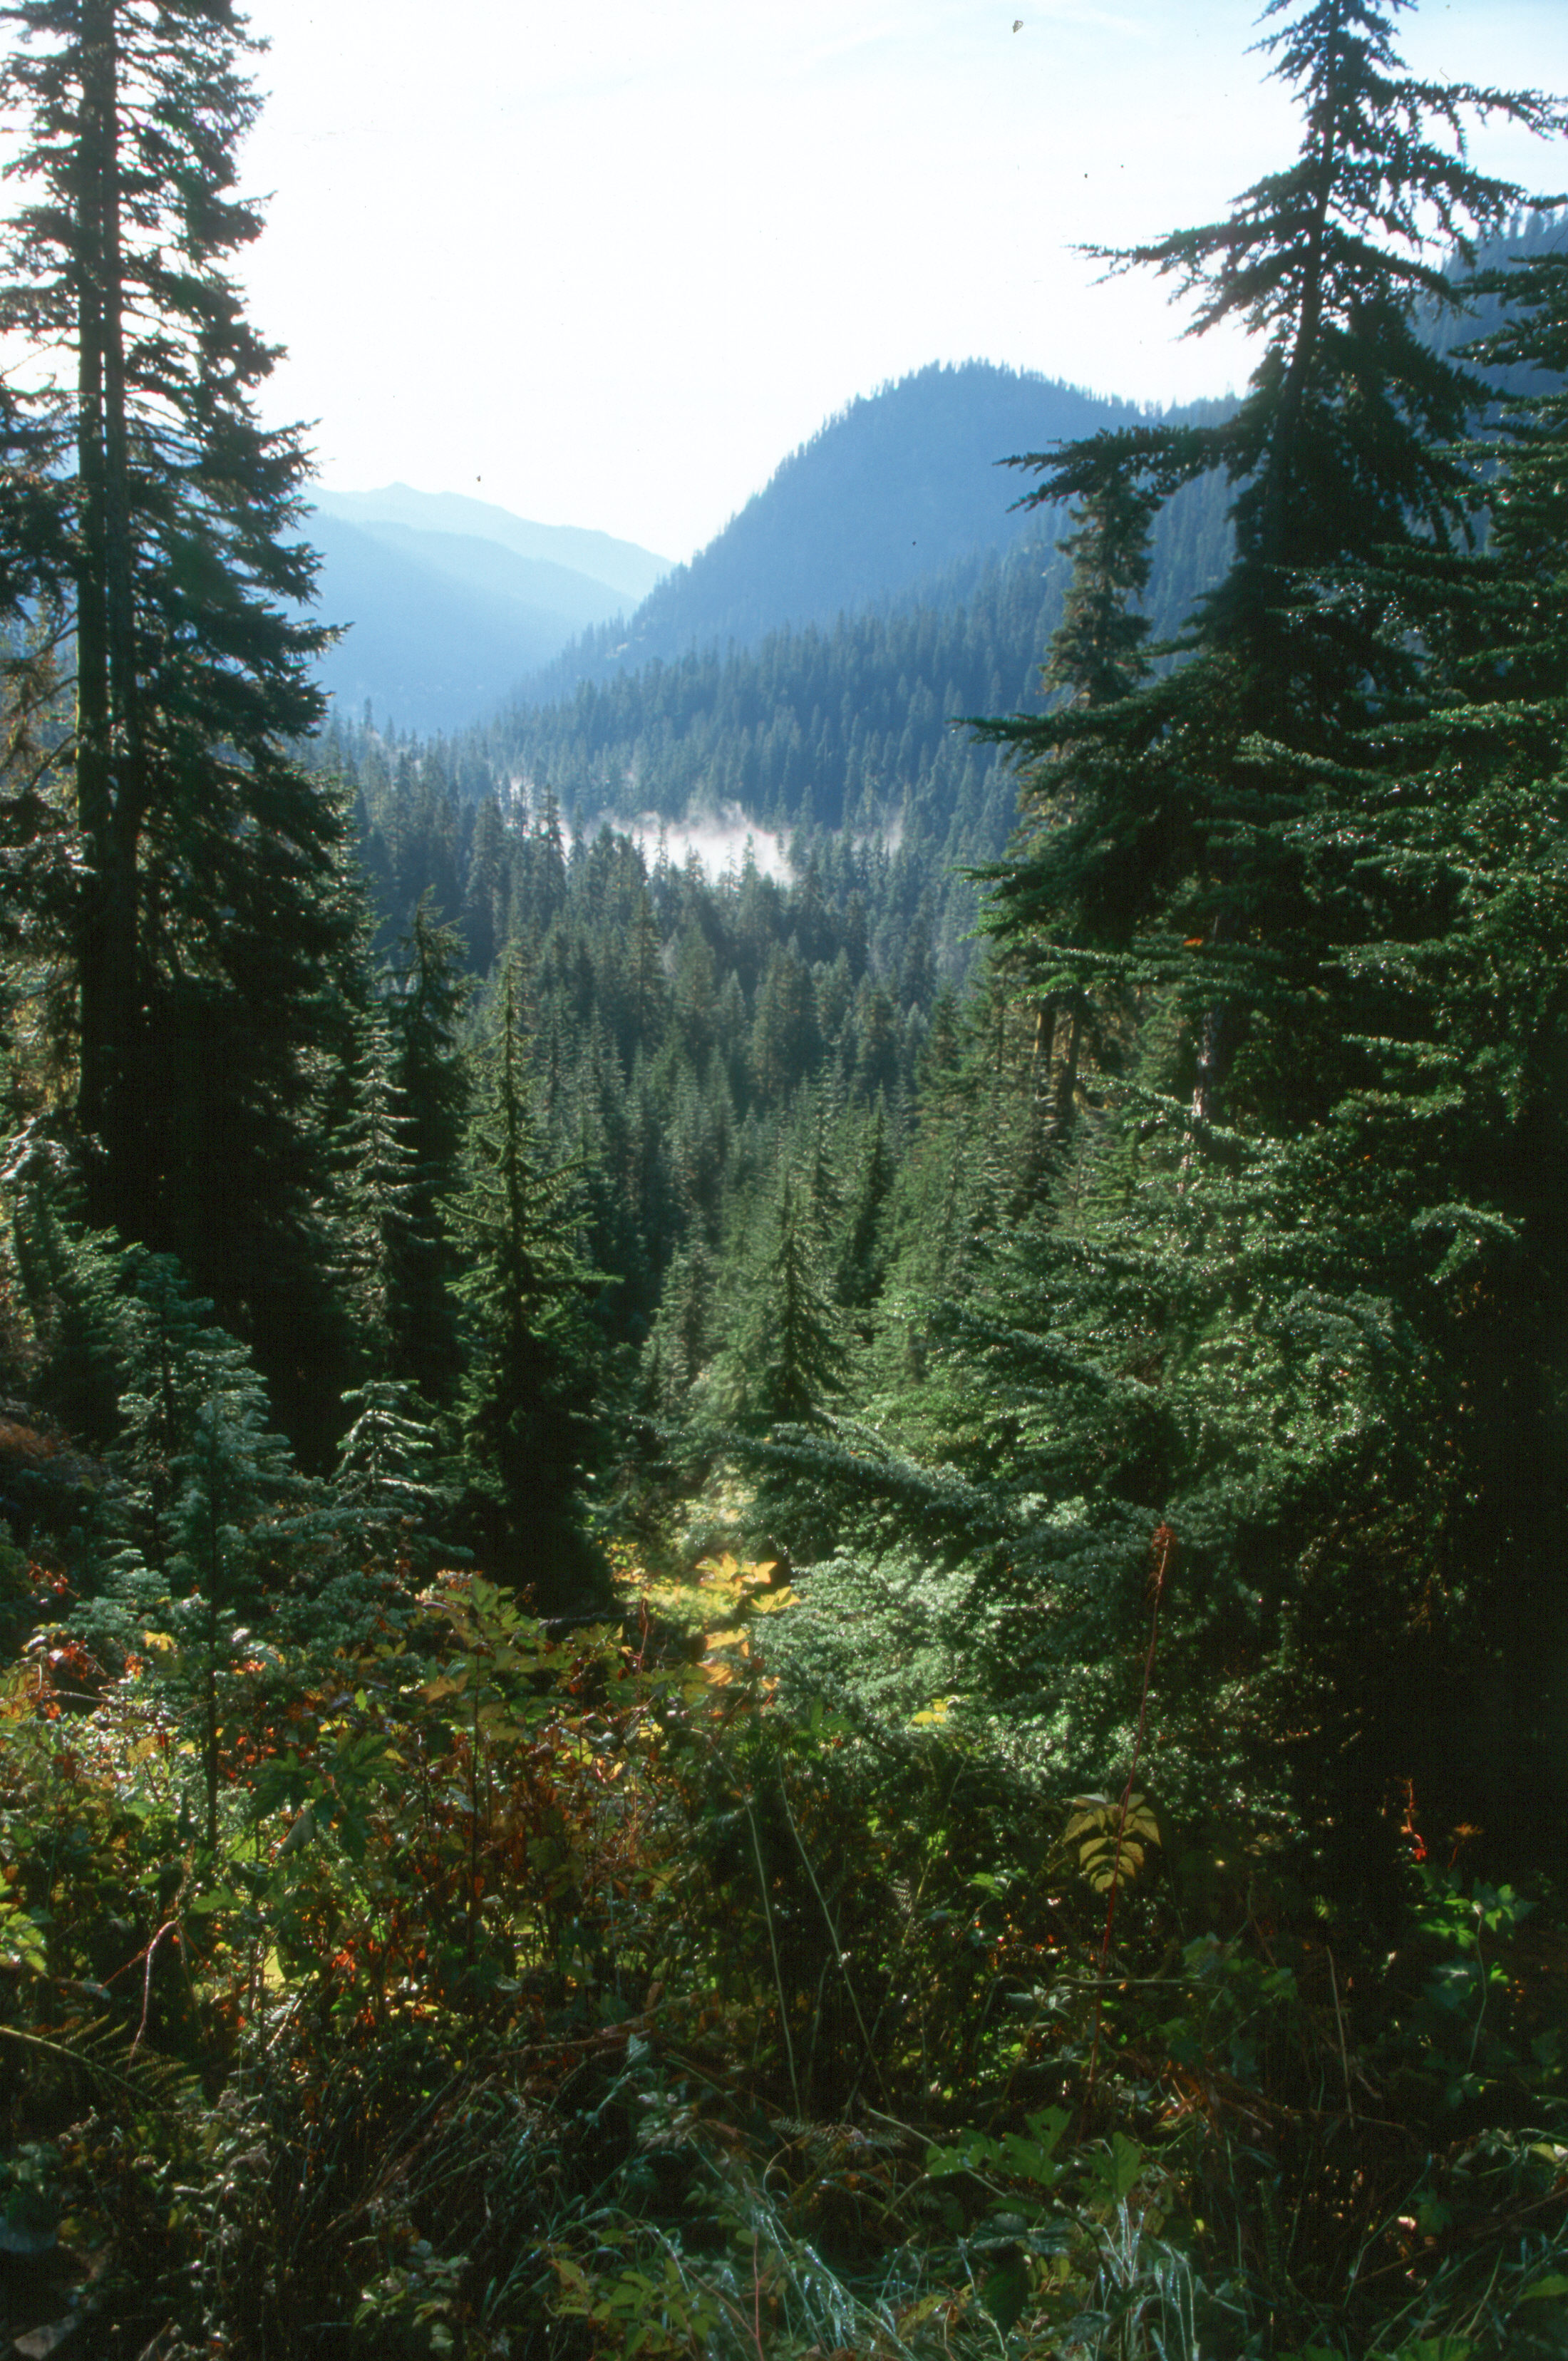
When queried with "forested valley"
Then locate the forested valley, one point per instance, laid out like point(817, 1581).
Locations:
point(783, 1446)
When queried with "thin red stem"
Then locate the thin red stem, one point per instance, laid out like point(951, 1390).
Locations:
point(149, 1955)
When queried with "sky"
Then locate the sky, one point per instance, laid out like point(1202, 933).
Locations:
point(606, 262)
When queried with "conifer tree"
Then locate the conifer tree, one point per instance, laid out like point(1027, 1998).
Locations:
point(786, 1362)
point(386, 1486)
point(175, 1364)
point(376, 1184)
point(1345, 442)
point(205, 920)
point(528, 1384)
point(862, 1258)
point(818, 1165)
point(231, 1467)
point(1346, 447)
point(484, 896)
point(681, 1341)
point(69, 1278)
point(1284, 1337)
point(1083, 761)
point(1496, 625)
point(425, 1009)
point(37, 852)
point(1098, 652)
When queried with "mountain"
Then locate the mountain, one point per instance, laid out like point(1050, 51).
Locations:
point(457, 607)
point(1450, 333)
point(892, 491)
point(879, 505)
point(448, 602)
point(621, 565)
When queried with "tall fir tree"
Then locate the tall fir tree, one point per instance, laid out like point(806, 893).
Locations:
point(1283, 1333)
point(426, 1010)
point(528, 1385)
point(205, 918)
point(786, 1360)
point(1347, 446)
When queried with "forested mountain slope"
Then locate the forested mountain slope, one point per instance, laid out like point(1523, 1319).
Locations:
point(453, 607)
point(1540, 231)
point(900, 499)
point(880, 504)
point(849, 732)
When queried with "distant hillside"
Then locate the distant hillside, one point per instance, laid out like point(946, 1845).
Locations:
point(842, 742)
point(1449, 332)
point(619, 566)
point(449, 602)
point(888, 493)
point(459, 609)
point(881, 503)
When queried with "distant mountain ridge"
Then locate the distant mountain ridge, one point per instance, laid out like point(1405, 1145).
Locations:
point(459, 609)
point(450, 601)
point(621, 565)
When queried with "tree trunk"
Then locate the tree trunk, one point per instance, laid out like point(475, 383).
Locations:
point(1281, 460)
point(1063, 1087)
point(111, 757)
point(94, 762)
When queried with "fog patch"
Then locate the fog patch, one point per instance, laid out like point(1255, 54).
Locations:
point(718, 837)
point(718, 840)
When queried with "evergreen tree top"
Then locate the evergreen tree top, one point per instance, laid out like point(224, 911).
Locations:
point(1349, 437)
point(1382, 175)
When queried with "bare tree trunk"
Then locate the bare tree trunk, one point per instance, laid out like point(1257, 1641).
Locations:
point(1064, 1082)
point(1214, 1056)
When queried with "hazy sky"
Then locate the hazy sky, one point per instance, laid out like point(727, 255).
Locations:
point(606, 261)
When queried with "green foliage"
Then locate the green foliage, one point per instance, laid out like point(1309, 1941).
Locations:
point(1111, 1834)
point(1269, 1199)
point(667, 1984)
point(429, 1092)
point(785, 1362)
point(960, 1945)
point(528, 1384)
point(184, 894)
point(386, 1485)
point(647, 2006)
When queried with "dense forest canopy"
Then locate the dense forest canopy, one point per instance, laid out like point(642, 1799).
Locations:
point(806, 1606)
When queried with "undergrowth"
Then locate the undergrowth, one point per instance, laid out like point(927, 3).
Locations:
point(576, 1995)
